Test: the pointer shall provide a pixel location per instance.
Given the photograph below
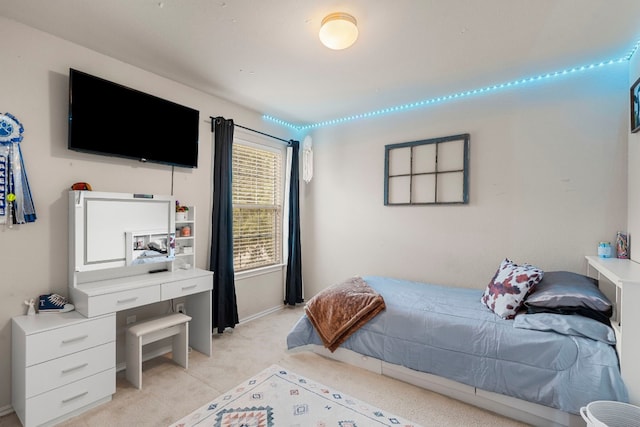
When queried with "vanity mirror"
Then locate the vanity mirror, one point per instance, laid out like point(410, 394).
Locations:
point(115, 230)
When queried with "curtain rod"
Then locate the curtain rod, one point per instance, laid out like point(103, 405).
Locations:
point(257, 131)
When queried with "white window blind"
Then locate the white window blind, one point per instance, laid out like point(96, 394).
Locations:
point(257, 207)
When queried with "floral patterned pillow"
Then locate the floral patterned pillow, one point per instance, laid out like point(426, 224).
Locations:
point(509, 287)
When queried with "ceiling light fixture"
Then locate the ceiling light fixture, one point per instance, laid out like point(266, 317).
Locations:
point(338, 31)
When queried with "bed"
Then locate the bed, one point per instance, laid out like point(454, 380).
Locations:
point(445, 339)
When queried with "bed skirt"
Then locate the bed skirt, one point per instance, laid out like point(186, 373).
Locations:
point(511, 407)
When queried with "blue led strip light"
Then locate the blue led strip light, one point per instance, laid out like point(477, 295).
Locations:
point(458, 95)
point(633, 51)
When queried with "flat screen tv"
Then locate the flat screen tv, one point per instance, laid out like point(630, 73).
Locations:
point(110, 119)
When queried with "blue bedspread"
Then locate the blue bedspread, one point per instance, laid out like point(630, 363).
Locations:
point(446, 331)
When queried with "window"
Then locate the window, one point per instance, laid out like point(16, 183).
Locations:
point(257, 206)
point(432, 171)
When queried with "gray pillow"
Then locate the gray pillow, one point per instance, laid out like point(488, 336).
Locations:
point(563, 289)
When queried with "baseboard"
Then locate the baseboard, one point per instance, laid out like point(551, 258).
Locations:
point(261, 314)
point(6, 410)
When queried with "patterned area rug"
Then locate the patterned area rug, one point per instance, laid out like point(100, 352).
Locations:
point(278, 397)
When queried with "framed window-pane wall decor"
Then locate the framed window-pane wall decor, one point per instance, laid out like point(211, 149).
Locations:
point(427, 172)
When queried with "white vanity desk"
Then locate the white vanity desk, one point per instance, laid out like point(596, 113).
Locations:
point(111, 266)
point(112, 295)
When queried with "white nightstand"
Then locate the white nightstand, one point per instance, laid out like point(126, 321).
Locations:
point(62, 365)
point(624, 274)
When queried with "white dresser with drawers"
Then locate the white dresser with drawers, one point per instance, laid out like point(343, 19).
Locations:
point(62, 364)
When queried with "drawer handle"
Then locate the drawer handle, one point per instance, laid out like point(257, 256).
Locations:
point(122, 301)
point(70, 340)
point(66, 371)
point(77, 396)
point(184, 288)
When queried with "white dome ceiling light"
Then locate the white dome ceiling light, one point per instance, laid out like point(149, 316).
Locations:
point(338, 31)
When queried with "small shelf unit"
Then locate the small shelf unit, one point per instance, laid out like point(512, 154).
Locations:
point(185, 254)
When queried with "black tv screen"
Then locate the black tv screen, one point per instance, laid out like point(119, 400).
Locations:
point(110, 119)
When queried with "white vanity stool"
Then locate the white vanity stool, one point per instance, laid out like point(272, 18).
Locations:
point(146, 332)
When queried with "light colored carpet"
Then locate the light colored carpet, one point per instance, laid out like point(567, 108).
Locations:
point(169, 392)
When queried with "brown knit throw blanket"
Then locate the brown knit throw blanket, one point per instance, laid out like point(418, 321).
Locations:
point(340, 310)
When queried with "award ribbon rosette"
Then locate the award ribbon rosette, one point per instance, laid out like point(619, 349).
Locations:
point(16, 203)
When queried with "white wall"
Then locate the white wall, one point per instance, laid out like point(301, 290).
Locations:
point(548, 178)
point(34, 88)
point(634, 172)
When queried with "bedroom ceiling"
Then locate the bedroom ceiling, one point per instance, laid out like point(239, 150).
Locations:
point(266, 55)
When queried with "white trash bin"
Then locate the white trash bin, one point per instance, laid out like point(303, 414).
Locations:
point(605, 413)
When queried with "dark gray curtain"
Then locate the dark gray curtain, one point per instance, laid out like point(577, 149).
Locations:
point(293, 286)
point(225, 308)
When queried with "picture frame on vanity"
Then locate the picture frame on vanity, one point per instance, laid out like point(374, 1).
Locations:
point(635, 106)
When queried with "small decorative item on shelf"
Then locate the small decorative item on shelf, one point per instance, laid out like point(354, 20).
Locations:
point(182, 212)
point(185, 231)
point(82, 186)
point(622, 245)
point(30, 303)
point(604, 250)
